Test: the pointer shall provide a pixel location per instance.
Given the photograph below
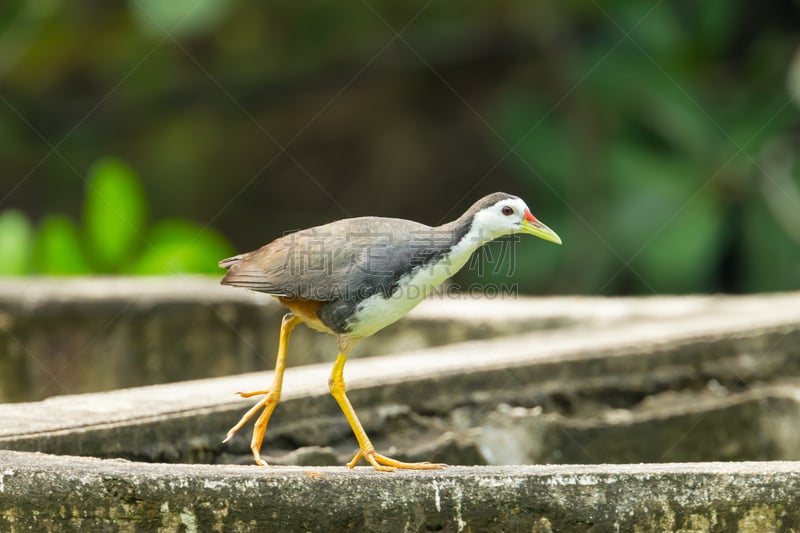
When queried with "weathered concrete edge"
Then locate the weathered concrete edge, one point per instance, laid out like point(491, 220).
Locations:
point(176, 422)
point(56, 491)
point(35, 292)
point(80, 335)
point(475, 359)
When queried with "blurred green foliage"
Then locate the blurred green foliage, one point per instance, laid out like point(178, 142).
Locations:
point(113, 238)
point(660, 154)
point(114, 213)
point(657, 138)
point(16, 243)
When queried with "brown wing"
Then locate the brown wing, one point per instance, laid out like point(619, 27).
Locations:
point(343, 260)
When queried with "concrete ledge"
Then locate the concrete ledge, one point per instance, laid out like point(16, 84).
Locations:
point(43, 492)
point(641, 380)
point(68, 336)
point(427, 402)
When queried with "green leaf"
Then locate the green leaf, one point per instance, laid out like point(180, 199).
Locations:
point(682, 255)
point(674, 116)
point(58, 248)
point(542, 145)
point(16, 243)
point(114, 214)
point(177, 17)
point(662, 35)
point(649, 187)
point(663, 220)
point(179, 246)
point(715, 23)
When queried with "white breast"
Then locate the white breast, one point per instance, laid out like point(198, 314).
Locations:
point(377, 312)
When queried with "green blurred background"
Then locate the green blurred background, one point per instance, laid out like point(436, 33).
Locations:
point(658, 138)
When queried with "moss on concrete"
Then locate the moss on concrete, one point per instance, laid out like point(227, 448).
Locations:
point(52, 493)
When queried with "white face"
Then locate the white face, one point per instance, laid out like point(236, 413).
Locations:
point(503, 218)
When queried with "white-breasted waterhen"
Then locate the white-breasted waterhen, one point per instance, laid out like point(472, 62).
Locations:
point(353, 277)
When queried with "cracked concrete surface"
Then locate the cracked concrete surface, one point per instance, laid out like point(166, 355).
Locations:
point(553, 397)
point(57, 493)
point(75, 335)
point(562, 380)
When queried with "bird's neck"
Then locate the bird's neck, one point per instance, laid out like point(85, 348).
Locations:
point(466, 237)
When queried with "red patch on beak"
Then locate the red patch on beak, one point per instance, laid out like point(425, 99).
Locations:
point(530, 218)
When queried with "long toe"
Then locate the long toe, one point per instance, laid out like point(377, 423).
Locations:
point(383, 463)
point(247, 416)
point(394, 463)
point(252, 393)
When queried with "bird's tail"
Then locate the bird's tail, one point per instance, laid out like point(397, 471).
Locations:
point(242, 273)
point(231, 261)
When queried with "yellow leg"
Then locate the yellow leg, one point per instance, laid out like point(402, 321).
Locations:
point(272, 394)
point(367, 450)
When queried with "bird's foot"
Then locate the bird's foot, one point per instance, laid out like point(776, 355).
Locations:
point(264, 402)
point(381, 463)
point(252, 393)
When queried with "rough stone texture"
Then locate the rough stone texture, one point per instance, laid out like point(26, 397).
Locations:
point(668, 390)
point(559, 380)
point(67, 336)
point(50, 493)
point(78, 335)
point(758, 424)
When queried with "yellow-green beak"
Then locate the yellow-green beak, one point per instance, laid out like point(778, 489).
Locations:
point(532, 226)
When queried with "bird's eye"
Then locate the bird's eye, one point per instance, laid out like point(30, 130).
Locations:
point(507, 210)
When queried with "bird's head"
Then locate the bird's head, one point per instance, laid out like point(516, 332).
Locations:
point(503, 214)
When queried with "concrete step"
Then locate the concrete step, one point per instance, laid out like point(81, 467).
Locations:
point(492, 383)
point(75, 335)
point(45, 492)
point(431, 401)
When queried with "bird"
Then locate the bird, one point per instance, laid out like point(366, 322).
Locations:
point(355, 276)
